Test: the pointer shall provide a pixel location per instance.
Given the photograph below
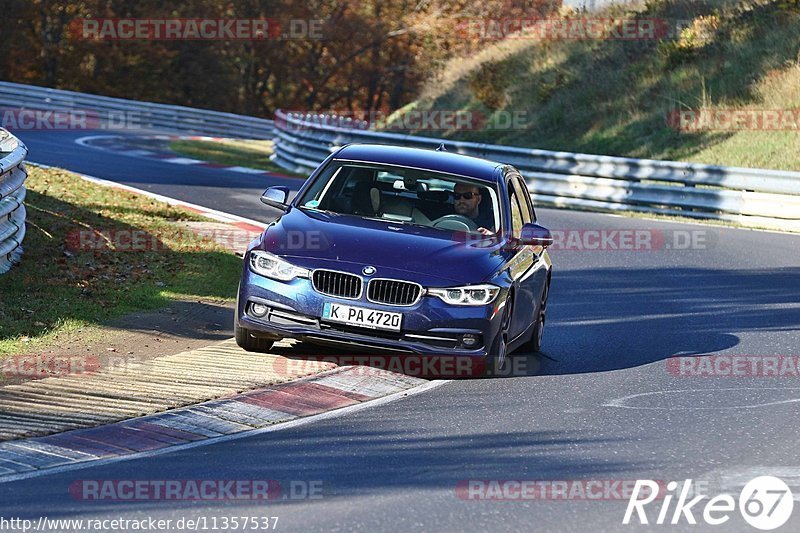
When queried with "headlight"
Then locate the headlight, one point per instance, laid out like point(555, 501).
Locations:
point(469, 295)
point(272, 266)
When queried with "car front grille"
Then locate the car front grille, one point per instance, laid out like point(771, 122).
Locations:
point(339, 284)
point(393, 292)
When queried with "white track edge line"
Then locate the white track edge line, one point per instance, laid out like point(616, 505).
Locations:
point(207, 211)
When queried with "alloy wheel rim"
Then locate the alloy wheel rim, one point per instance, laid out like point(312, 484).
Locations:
point(501, 353)
point(542, 315)
point(540, 333)
point(503, 344)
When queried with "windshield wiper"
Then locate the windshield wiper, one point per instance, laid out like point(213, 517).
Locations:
point(318, 210)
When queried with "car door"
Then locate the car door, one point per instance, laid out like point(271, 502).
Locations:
point(532, 275)
point(519, 264)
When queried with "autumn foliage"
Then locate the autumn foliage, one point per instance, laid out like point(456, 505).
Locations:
point(359, 55)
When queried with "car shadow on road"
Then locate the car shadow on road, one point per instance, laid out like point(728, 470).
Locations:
point(609, 319)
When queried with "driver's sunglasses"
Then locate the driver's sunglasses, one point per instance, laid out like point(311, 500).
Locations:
point(465, 195)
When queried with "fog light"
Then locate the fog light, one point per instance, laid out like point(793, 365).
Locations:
point(469, 340)
point(258, 310)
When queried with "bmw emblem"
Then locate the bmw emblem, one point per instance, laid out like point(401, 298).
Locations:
point(368, 270)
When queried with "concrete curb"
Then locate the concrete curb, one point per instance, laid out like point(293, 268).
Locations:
point(237, 415)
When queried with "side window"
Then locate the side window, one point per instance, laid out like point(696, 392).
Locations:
point(341, 190)
point(524, 200)
point(516, 212)
point(528, 198)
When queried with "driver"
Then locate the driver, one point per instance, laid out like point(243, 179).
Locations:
point(466, 199)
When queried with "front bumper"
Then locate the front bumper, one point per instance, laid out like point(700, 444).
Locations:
point(429, 327)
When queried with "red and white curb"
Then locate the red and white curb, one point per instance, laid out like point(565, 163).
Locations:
point(174, 159)
point(325, 395)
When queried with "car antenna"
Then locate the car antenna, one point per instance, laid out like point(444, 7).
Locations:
point(441, 148)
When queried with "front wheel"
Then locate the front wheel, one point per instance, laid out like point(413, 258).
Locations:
point(249, 342)
point(535, 344)
point(246, 340)
point(496, 359)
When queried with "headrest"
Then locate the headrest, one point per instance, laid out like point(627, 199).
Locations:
point(375, 199)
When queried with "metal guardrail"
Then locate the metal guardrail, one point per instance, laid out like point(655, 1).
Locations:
point(750, 197)
point(12, 194)
point(134, 113)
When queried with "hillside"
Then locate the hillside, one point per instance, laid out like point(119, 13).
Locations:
point(627, 97)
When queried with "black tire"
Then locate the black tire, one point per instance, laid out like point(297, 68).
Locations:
point(535, 343)
point(248, 342)
point(498, 356)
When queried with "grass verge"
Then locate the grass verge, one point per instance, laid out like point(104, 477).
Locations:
point(624, 97)
point(233, 152)
point(93, 253)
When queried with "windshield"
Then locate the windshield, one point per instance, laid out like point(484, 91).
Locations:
point(404, 195)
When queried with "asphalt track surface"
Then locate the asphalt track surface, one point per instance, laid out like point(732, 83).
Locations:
point(601, 403)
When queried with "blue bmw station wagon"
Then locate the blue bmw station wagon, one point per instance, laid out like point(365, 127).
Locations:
point(400, 250)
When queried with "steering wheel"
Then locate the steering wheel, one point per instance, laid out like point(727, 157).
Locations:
point(455, 222)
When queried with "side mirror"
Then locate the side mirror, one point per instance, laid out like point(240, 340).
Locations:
point(535, 235)
point(276, 197)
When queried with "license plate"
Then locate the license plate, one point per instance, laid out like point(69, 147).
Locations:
point(358, 316)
